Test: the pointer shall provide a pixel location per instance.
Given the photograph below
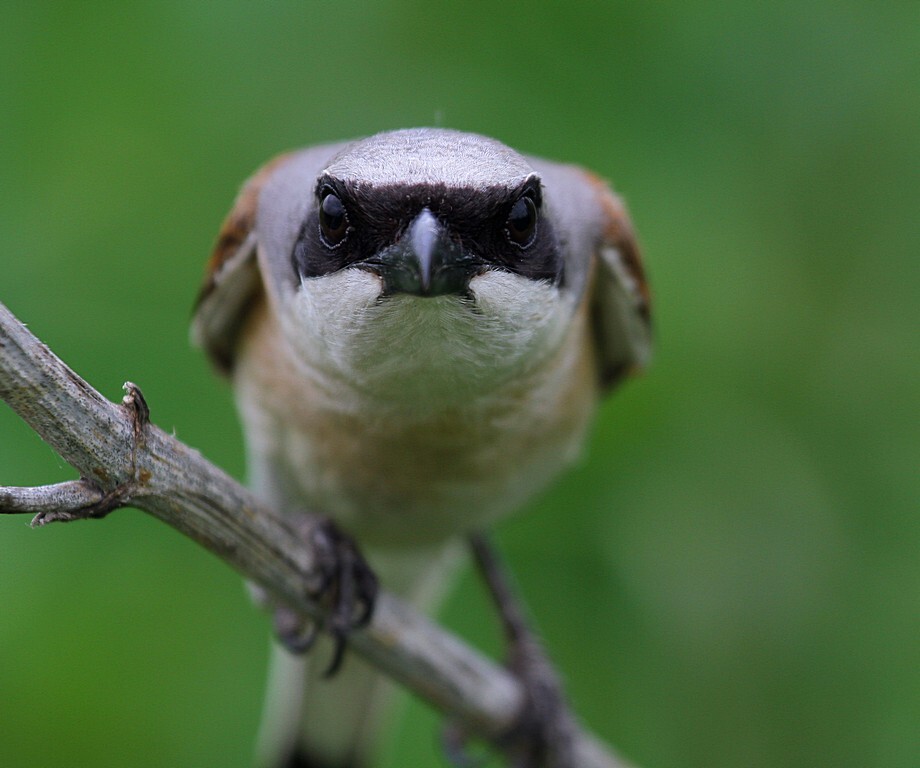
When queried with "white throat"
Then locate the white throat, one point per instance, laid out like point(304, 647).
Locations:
point(422, 354)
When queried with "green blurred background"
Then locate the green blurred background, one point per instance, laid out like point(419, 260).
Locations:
point(730, 578)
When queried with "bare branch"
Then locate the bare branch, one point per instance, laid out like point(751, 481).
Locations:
point(51, 503)
point(125, 460)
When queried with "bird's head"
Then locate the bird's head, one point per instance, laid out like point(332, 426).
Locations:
point(421, 263)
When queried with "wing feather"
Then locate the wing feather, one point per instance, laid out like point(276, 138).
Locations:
point(621, 301)
point(232, 282)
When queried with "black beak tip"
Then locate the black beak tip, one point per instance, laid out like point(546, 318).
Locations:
point(440, 283)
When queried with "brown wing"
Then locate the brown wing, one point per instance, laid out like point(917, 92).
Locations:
point(232, 282)
point(621, 301)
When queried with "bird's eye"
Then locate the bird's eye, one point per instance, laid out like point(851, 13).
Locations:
point(521, 226)
point(333, 220)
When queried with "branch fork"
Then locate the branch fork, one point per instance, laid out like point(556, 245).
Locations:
point(83, 499)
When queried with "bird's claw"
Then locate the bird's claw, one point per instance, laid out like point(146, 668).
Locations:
point(543, 736)
point(543, 733)
point(347, 590)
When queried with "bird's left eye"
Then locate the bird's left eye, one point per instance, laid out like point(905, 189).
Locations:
point(521, 226)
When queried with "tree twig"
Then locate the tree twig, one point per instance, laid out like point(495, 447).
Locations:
point(125, 460)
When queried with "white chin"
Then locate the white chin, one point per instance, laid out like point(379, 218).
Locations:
point(421, 349)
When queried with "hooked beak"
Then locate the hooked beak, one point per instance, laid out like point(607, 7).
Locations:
point(425, 261)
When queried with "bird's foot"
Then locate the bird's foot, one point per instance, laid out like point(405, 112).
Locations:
point(543, 734)
point(348, 592)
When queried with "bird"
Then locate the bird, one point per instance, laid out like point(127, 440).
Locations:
point(418, 326)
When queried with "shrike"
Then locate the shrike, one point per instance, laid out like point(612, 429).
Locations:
point(417, 326)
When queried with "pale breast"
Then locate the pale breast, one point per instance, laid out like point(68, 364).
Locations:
point(393, 477)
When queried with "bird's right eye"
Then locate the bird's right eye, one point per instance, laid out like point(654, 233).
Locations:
point(333, 220)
